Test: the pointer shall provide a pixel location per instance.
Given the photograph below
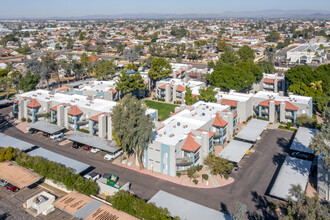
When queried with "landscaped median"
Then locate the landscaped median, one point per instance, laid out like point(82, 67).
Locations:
point(198, 177)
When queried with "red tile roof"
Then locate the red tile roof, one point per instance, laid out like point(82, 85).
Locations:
point(268, 80)
point(93, 59)
point(113, 91)
point(180, 88)
point(33, 104)
point(219, 122)
point(96, 117)
point(290, 106)
point(162, 86)
point(266, 102)
point(62, 88)
point(234, 114)
point(55, 107)
point(211, 134)
point(75, 111)
point(232, 103)
point(190, 144)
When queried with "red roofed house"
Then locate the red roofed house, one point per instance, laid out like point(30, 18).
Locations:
point(220, 124)
point(75, 113)
point(33, 108)
point(273, 82)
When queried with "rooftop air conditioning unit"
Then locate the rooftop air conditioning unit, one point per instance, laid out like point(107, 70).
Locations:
point(178, 124)
point(171, 135)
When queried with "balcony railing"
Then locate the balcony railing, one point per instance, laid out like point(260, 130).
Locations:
point(184, 161)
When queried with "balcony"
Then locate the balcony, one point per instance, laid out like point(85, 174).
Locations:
point(289, 116)
point(183, 161)
point(83, 122)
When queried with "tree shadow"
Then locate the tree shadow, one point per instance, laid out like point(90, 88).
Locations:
point(4, 216)
point(224, 208)
point(261, 204)
point(4, 125)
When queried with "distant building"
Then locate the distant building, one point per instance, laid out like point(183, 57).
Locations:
point(306, 54)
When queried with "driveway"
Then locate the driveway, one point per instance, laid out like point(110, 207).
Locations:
point(251, 180)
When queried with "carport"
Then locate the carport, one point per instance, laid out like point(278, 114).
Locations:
point(293, 172)
point(235, 151)
point(252, 131)
point(17, 175)
point(93, 141)
point(302, 140)
point(8, 141)
point(77, 167)
point(46, 127)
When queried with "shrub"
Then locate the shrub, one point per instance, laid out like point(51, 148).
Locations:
point(306, 121)
point(273, 206)
point(29, 120)
point(195, 181)
point(161, 99)
point(199, 168)
point(137, 207)
point(249, 118)
point(83, 130)
point(191, 171)
point(263, 118)
point(23, 119)
point(178, 174)
point(226, 176)
point(205, 176)
point(289, 124)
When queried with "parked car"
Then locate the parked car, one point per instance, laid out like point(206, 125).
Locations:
point(55, 135)
point(93, 176)
point(45, 134)
point(76, 145)
point(94, 150)
point(302, 156)
point(61, 138)
point(3, 182)
point(235, 168)
point(86, 147)
point(11, 187)
point(32, 131)
point(111, 156)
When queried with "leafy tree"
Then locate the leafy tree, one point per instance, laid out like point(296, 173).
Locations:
point(179, 32)
point(207, 94)
point(160, 68)
point(189, 99)
point(240, 212)
point(120, 48)
point(218, 165)
point(50, 66)
point(306, 121)
point(130, 54)
point(132, 127)
point(246, 53)
point(229, 58)
point(28, 82)
point(266, 67)
point(99, 49)
point(221, 45)
point(320, 141)
point(138, 207)
point(251, 69)
point(273, 37)
point(105, 70)
point(270, 52)
point(231, 77)
point(304, 207)
point(3, 72)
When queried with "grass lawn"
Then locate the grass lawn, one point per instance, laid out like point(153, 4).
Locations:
point(285, 128)
point(164, 109)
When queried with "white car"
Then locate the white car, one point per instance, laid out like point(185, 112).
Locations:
point(94, 150)
point(112, 156)
point(93, 176)
point(56, 135)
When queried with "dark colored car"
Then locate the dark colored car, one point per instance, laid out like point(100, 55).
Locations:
point(11, 187)
point(303, 156)
point(76, 145)
point(45, 134)
point(235, 168)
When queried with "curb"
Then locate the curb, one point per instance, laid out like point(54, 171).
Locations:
point(198, 187)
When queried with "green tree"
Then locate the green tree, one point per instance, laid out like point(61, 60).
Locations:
point(270, 53)
point(207, 94)
point(302, 207)
point(130, 54)
point(3, 73)
point(266, 67)
point(28, 82)
point(189, 99)
point(273, 36)
point(160, 68)
point(99, 49)
point(229, 58)
point(218, 165)
point(132, 127)
point(50, 66)
point(221, 45)
point(246, 54)
point(105, 70)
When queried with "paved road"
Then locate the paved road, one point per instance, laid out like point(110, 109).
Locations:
point(251, 180)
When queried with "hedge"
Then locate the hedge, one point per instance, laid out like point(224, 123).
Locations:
point(51, 170)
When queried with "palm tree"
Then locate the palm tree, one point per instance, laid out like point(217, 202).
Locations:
point(317, 85)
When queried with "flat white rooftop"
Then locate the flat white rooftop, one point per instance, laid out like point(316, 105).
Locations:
point(277, 97)
point(100, 86)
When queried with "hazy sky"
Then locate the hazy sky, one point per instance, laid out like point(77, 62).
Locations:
point(46, 8)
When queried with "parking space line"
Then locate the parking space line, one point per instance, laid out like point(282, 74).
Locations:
point(15, 194)
point(34, 193)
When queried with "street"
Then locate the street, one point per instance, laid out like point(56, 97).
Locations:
point(251, 184)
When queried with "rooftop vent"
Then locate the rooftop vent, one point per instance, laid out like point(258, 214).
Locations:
point(203, 114)
point(178, 124)
point(171, 135)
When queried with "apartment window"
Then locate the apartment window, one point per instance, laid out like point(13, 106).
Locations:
point(157, 161)
point(197, 156)
point(157, 150)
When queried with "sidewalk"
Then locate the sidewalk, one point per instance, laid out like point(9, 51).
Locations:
point(183, 180)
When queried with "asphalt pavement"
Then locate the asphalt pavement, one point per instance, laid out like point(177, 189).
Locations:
point(252, 180)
